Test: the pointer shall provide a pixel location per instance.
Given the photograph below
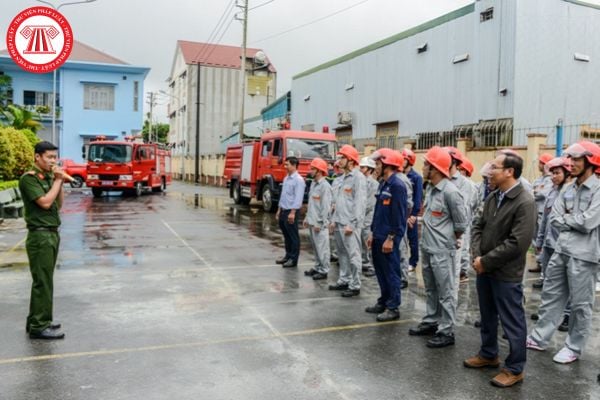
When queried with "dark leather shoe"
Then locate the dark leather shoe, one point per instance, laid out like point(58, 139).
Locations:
point(310, 272)
point(52, 326)
point(388, 315)
point(440, 340)
point(289, 264)
point(47, 334)
point(319, 276)
point(369, 273)
point(376, 309)
point(564, 326)
point(339, 286)
point(403, 285)
point(350, 292)
point(535, 317)
point(281, 260)
point(538, 285)
point(423, 330)
point(333, 259)
point(536, 269)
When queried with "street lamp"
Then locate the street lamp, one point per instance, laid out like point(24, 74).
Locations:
point(54, 72)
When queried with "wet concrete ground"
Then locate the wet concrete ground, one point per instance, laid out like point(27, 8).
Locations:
point(177, 296)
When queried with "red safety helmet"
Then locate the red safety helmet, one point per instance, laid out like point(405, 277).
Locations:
point(319, 164)
point(350, 153)
point(389, 157)
point(440, 159)
point(455, 154)
point(586, 149)
point(559, 162)
point(545, 158)
point(409, 156)
point(467, 166)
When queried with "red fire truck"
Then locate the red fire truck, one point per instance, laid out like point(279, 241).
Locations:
point(129, 166)
point(256, 169)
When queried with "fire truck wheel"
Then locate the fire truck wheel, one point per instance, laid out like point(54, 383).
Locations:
point(97, 192)
point(77, 183)
point(138, 189)
point(236, 193)
point(269, 205)
point(161, 188)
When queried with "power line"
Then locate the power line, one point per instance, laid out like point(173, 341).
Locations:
point(311, 22)
point(260, 5)
point(213, 46)
point(218, 26)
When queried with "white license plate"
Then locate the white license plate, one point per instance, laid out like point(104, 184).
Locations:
point(107, 183)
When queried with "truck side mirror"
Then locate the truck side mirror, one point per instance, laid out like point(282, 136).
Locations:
point(83, 152)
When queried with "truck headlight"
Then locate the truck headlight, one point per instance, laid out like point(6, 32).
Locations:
point(125, 177)
point(92, 177)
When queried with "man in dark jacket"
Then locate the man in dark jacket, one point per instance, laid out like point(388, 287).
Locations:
point(501, 237)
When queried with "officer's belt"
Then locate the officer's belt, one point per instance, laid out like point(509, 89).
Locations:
point(43, 229)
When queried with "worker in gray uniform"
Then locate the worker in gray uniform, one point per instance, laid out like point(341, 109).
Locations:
point(467, 191)
point(335, 179)
point(367, 167)
point(571, 272)
point(317, 219)
point(404, 242)
point(347, 222)
point(542, 186)
point(444, 221)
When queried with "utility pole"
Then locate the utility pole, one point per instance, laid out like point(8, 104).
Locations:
point(151, 101)
point(243, 66)
point(197, 161)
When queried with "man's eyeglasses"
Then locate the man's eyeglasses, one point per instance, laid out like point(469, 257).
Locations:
point(494, 167)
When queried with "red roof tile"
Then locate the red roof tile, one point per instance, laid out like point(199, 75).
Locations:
point(215, 55)
point(85, 53)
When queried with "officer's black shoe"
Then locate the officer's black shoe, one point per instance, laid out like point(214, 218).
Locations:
point(535, 317)
point(310, 272)
point(403, 284)
point(333, 258)
point(369, 273)
point(376, 309)
point(47, 334)
point(319, 276)
point(289, 264)
point(52, 326)
point(350, 292)
point(388, 315)
point(423, 329)
point(538, 285)
point(440, 340)
point(339, 286)
point(564, 326)
point(281, 260)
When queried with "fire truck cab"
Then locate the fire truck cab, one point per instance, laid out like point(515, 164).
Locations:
point(256, 169)
point(130, 166)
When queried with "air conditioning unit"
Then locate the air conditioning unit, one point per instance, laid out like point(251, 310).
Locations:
point(345, 118)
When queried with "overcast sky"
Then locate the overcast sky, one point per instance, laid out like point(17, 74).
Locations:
point(144, 32)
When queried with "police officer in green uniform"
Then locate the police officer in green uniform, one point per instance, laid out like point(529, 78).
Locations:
point(41, 189)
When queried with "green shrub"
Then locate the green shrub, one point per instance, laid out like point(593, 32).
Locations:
point(8, 185)
point(31, 136)
point(7, 156)
point(22, 151)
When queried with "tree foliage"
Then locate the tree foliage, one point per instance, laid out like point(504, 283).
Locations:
point(16, 153)
point(160, 132)
point(7, 157)
point(21, 118)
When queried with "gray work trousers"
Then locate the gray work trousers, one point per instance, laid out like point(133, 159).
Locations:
point(464, 257)
point(367, 256)
point(567, 277)
point(404, 258)
point(440, 278)
point(320, 244)
point(349, 256)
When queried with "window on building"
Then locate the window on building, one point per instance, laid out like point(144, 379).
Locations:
point(486, 15)
point(97, 96)
point(136, 95)
point(33, 98)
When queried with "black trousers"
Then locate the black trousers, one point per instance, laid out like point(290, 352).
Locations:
point(504, 300)
point(290, 236)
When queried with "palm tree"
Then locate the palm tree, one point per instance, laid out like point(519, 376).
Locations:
point(20, 118)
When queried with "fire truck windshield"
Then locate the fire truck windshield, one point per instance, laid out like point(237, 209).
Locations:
point(108, 152)
point(307, 148)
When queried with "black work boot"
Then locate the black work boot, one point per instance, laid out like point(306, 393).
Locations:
point(339, 286)
point(376, 309)
point(564, 326)
point(423, 329)
point(441, 340)
point(388, 315)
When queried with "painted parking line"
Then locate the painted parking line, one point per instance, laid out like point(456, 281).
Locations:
point(4, 255)
point(206, 343)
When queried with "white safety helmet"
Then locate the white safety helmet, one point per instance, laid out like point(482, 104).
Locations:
point(367, 162)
